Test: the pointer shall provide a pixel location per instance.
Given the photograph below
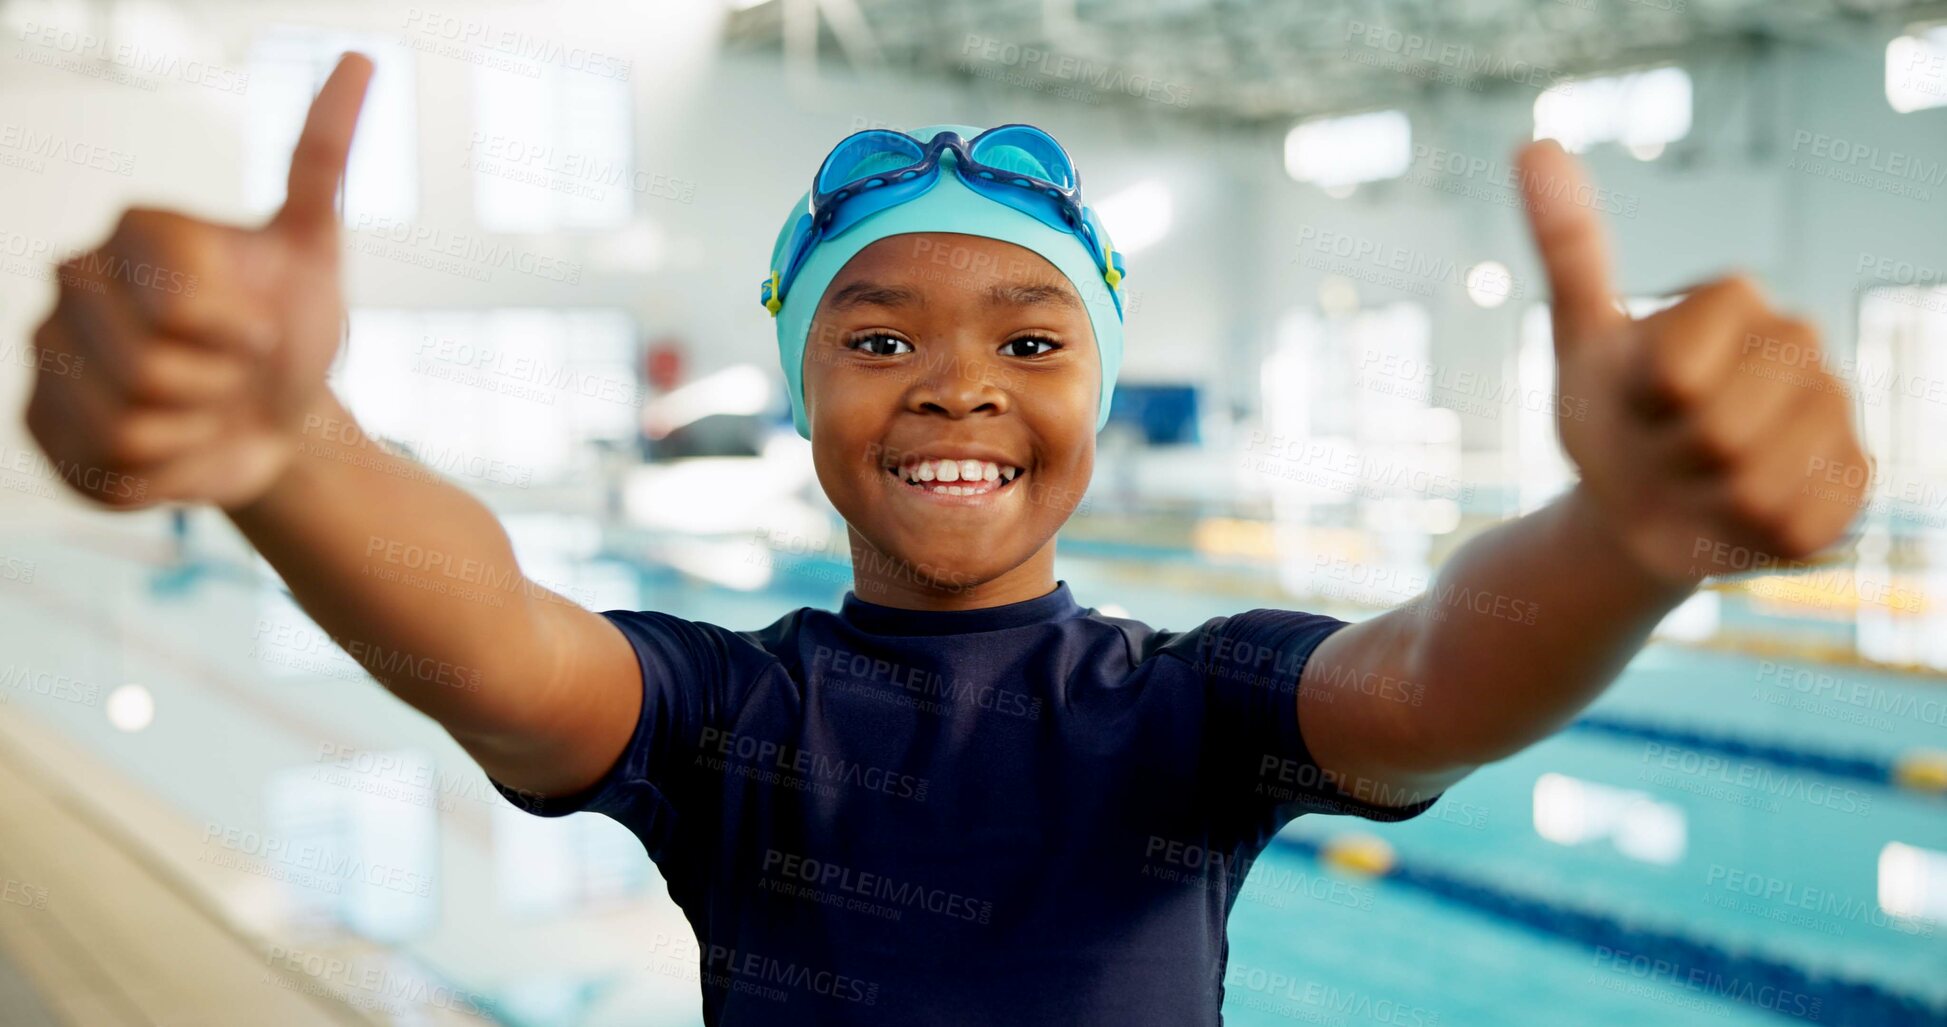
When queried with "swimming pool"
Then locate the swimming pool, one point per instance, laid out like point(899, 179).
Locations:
point(1711, 891)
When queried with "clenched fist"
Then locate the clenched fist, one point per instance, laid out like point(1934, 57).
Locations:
point(1697, 437)
point(201, 345)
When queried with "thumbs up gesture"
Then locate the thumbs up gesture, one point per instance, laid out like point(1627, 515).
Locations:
point(200, 345)
point(1697, 436)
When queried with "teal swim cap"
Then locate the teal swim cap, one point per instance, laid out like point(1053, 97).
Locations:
point(949, 206)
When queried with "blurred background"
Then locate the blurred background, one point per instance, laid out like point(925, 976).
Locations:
point(1338, 368)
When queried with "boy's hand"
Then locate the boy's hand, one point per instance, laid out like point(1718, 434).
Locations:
point(201, 345)
point(1712, 423)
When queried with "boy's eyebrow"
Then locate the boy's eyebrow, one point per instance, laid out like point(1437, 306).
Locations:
point(1028, 295)
point(879, 294)
point(860, 294)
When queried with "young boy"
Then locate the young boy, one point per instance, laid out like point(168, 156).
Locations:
point(963, 797)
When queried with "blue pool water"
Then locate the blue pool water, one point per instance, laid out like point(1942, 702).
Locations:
point(1777, 863)
point(1777, 874)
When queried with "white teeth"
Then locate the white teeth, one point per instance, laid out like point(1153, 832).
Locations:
point(944, 471)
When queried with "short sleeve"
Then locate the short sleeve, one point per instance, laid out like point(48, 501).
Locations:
point(1252, 664)
point(690, 683)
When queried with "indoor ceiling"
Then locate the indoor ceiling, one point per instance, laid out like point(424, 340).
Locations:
point(1251, 60)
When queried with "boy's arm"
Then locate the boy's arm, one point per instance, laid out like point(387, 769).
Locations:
point(417, 581)
point(1523, 627)
point(1709, 438)
point(201, 353)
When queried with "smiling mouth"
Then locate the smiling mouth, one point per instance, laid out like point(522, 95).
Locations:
point(955, 478)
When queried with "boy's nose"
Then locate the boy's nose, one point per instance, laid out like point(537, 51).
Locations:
point(957, 391)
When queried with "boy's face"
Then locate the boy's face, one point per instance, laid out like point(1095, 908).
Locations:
point(932, 349)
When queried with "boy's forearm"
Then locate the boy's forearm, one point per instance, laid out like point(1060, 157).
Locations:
point(1526, 624)
point(412, 576)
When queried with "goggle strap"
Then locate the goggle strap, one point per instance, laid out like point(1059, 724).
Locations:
point(768, 294)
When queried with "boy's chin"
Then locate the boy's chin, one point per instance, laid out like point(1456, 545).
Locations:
point(919, 564)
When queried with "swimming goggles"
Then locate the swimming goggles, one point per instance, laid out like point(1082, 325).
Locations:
point(838, 203)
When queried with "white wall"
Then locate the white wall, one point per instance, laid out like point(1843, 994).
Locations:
point(1207, 298)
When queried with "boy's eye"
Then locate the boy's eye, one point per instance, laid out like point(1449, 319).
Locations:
point(872, 343)
point(1029, 340)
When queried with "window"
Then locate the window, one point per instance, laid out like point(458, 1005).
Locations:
point(1899, 383)
point(551, 153)
point(1340, 153)
point(1916, 70)
point(1352, 440)
point(1542, 469)
point(546, 867)
point(287, 66)
point(1913, 882)
point(1571, 811)
point(357, 843)
point(1137, 216)
point(1642, 111)
point(506, 396)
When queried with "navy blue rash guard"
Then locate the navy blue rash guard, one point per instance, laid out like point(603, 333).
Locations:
point(1025, 814)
